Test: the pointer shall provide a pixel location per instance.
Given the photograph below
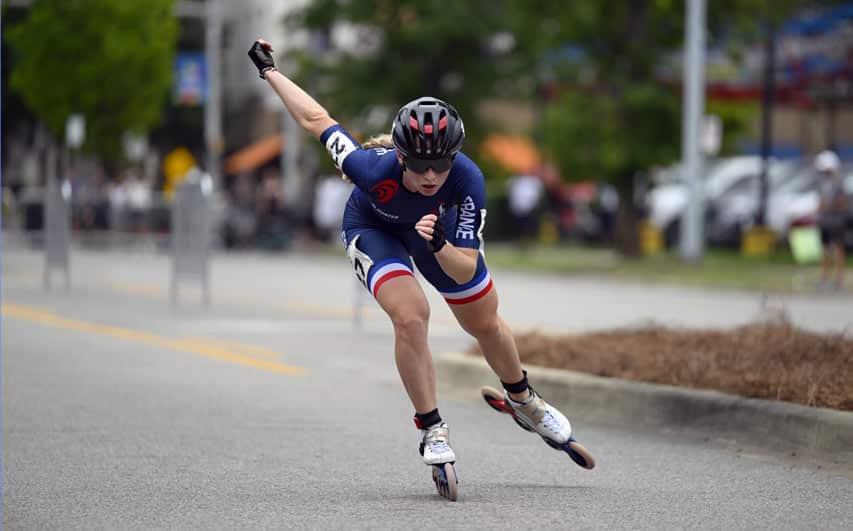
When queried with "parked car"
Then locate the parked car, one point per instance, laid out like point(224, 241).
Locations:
point(667, 202)
point(734, 210)
point(732, 196)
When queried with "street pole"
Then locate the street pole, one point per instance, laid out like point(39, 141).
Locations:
point(213, 138)
point(692, 239)
point(767, 114)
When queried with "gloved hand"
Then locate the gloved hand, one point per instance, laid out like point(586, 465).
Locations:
point(431, 229)
point(438, 239)
point(259, 53)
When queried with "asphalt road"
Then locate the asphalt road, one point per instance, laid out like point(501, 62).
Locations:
point(270, 410)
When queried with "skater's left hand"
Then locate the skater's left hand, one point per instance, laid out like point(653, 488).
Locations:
point(260, 54)
point(431, 229)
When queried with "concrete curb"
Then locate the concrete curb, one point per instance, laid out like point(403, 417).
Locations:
point(773, 425)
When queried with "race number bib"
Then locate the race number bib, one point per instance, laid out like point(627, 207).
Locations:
point(339, 147)
point(361, 263)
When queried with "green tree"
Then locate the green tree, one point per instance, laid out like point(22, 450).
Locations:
point(462, 52)
point(618, 112)
point(109, 60)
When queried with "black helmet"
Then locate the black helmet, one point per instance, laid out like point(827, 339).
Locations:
point(428, 128)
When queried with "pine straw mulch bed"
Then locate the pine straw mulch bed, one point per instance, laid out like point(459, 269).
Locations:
point(770, 359)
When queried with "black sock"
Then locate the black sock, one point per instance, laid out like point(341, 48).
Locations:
point(517, 387)
point(425, 420)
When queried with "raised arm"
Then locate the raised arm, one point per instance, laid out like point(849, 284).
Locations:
point(309, 114)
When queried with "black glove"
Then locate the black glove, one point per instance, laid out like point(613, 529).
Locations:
point(438, 239)
point(260, 55)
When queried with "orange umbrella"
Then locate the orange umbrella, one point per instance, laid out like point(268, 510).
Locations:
point(254, 155)
point(515, 153)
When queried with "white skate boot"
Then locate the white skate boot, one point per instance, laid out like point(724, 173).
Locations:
point(538, 416)
point(436, 451)
point(435, 445)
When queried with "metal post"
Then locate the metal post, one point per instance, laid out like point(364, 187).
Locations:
point(191, 235)
point(57, 222)
point(767, 114)
point(692, 243)
point(214, 140)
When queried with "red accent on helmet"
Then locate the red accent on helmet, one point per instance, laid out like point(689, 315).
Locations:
point(442, 123)
point(413, 123)
point(428, 129)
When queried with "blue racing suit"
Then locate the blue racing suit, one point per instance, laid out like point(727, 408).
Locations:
point(379, 219)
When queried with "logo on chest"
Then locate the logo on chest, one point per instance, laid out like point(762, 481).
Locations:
point(385, 190)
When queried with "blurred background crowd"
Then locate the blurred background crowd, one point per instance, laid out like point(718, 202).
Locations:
point(574, 113)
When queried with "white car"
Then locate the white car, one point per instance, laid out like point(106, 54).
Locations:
point(667, 202)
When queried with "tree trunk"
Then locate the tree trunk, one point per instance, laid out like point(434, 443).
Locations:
point(627, 233)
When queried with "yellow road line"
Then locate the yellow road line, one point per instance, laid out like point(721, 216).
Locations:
point(183, 345)
point(253, 349)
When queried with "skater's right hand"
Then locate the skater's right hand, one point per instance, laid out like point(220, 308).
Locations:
point(259, 53)
point(431, 228)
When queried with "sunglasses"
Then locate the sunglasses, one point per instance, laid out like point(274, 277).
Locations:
point(422, 165)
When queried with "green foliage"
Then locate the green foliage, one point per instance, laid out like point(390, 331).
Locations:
point(601, 136)
point(110, 60)
point(428, 47)
point(617, 116)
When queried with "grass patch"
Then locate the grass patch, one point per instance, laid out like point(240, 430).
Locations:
point(718, 268)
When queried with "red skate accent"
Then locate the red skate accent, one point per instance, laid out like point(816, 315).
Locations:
point(499, 405)
point(418, 423)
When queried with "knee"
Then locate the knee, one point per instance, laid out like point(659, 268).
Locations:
point(411, 322)
point(483, 326)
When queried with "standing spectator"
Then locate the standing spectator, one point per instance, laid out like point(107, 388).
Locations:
point(118, 204)
point(273, 230)
point(241, 220)
point(832, 214)
point(330, 199)
point(139, 201)
point(525, 194)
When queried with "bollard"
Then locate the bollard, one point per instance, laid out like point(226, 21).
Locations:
point(57, 224)
point(191, 235)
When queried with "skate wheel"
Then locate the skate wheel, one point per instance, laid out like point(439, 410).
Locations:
point(452, 481)
point(580, 454)
point(444, 477)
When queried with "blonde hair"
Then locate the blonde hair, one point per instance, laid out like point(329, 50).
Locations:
point(376, 141)
point(379, 141)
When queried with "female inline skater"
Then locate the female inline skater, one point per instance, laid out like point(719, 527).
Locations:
point(424, 200)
